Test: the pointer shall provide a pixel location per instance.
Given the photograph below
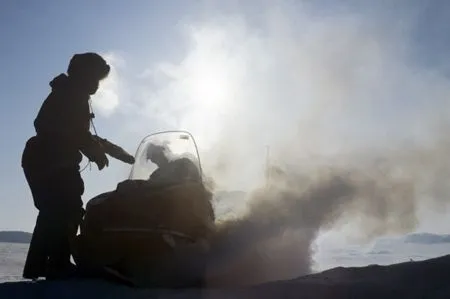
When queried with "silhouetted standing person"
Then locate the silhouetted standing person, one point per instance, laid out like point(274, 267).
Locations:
point(51, 163)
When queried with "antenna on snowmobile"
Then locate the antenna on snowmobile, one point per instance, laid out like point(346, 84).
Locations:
point(267, 165)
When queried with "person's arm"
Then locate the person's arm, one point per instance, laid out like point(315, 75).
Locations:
point(115, 151)
point(92, 146)
point(94, 151)
point(78, 124)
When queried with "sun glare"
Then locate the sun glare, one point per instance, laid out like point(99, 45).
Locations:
point(208, 88)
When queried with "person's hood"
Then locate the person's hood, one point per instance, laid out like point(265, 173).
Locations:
point(59, 82)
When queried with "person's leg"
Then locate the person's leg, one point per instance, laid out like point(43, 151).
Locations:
point(62, 235)
point(57, 196)
point(35, 263)
point(66, 217)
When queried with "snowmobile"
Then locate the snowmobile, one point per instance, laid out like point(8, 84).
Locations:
point(151, 232)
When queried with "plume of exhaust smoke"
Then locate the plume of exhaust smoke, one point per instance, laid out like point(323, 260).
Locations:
point(273, 239)
point(336, 98)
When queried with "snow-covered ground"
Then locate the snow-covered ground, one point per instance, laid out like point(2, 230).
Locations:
point(383, 252)
point(12, 259)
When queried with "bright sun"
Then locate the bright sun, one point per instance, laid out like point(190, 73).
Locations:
point(208, 88)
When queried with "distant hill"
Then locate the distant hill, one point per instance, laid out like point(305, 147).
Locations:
point(427, 238)
point(15, 237)
point(421, 238)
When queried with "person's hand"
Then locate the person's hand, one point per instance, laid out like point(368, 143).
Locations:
point(129, 159)
point(101, 160)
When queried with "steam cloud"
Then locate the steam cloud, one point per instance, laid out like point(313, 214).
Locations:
point(273, 240)
point(356, 130)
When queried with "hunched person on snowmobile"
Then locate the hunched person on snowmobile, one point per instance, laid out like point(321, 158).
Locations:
point(176, 170)
point(50, 162)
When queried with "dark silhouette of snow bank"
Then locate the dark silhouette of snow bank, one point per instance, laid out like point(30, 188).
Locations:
point(423, 279)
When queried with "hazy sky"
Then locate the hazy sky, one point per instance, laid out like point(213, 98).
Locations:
point(238, 75)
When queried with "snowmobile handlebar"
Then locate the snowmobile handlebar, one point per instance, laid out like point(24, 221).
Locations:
point(115, 151)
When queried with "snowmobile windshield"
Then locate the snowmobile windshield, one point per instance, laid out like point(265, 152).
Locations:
point(166, 155)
